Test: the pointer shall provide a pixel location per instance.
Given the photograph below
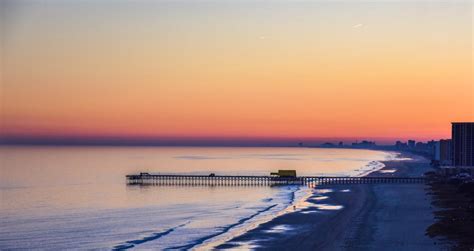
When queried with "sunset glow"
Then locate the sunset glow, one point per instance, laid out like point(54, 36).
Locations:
point(236, 68)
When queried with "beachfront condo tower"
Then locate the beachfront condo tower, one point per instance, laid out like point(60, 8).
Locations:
point(463, 144)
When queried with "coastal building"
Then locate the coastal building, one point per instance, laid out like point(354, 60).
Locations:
point(431, 146)
point(401, 145)
point(443, 153)
point(364, 144)
point(427, 148)
point(463, 144)
point(327, 144)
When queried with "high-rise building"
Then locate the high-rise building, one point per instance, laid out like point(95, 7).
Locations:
point(443, 152)
point(463, 144)
point(411, 144)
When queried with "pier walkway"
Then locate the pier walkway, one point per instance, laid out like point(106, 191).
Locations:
point(231, 180)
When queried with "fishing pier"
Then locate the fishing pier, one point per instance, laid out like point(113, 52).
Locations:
point(272, 180)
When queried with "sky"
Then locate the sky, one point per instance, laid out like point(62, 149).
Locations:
point(206, 70)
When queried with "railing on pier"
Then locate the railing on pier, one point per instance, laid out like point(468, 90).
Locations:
point(234, 180)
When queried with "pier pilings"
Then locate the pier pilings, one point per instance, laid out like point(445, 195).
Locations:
point(240, 180)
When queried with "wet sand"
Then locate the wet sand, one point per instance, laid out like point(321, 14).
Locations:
point(354, 217)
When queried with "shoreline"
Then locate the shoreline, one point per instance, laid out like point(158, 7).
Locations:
point(361, 216)
point(212, 244)
point(301, 203)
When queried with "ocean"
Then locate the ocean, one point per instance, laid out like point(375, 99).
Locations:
point(77, 197)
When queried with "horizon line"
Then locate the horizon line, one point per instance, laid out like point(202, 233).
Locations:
point(68, 140)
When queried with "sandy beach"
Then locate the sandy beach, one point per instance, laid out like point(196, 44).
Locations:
point(354, 217)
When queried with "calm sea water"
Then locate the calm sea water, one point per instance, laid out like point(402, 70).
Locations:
point(76, 197)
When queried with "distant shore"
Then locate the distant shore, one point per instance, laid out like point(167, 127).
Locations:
point(355, 217)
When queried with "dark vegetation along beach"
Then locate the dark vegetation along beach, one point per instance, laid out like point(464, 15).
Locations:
point(454, 216)
point(371, 217)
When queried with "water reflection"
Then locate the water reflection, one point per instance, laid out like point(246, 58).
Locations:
point(50, 195)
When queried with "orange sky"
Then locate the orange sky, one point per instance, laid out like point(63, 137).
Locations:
point(236, 68)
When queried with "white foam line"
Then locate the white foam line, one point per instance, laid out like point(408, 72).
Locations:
point(377, 165)
point(213, 243)
point(298, 206)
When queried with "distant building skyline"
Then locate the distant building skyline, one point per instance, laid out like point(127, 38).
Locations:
point(194, 141)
